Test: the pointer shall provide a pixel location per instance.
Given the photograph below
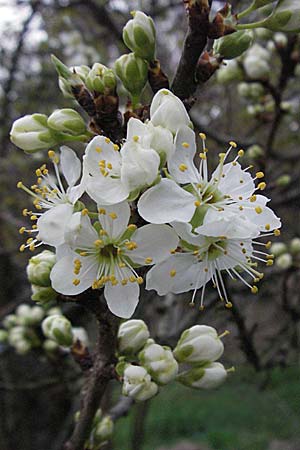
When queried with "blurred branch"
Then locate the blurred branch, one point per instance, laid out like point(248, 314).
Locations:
point(121, 408)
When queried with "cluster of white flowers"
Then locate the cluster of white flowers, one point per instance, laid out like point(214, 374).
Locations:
point(144, 365)
point(200, 225)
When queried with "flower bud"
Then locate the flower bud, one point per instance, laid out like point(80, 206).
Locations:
point(10, 321)
point(284, 17)
point(67, 121)
point(283, 180)
point(29, 315)
point(22, 347)
point(3, 336)
point(16, 333)
point(101, 79)
point(59, 329)
point(31, 133)
point(280, 40)
point(133, 72)
point(278, 248)
point(64, 85)
point(208, 377)
point(81, 335)
point(295, 246)
point(159, 362)
point(255, 152)
point(284, 261)
point(230, 72)
point(103, 431)
point(50, 346)
point(132, 336)
point(233, 45)
point(42, 294)
point(139, 36)
point(168, 111)
point(39, 268)
point(137, 383)
point(256, 63)
point(199, 344)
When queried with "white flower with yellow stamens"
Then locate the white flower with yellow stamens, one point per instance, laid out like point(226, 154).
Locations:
point(49, 193)
point(203, 198)
point(226, 245)
point(104, 256)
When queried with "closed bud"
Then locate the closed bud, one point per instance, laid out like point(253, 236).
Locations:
point(31, 133)
point(10, 321)
point(283, 180)
point(233, 45)
point(295, 246)
point(256, 63)
point(80, 72)
point(199, 344)
point(132, 336)
point(28, 315)
point(255, 152)
point(159, 362)
point(39, 268)
point(67, 121)
point(139, 36)
point(278, 248)
point(284, 261)
point(22, 347)
point(137, 383)
point(280, 40)
point(42, 294)
point(50, 346)
point(284, 17)
point(3, 336)
point(260, 3)
point(133, 72)
point(101, 79)
point(229, 72)
point(208, 377)
point(59, 329)
point(103, 431)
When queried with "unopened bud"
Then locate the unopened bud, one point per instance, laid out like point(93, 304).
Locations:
point(255, 152)
point(159, 362)
point(280, 40)
point(199, 344)
point(284, 17)
point(31, 133)
point(208, 377)
point(256, 63)
point(132, 336)
point(139, 36)
point(10, 321)
point(80, 72)
point(81, 335)
point(59, 329)
point(42, 294)
point(101, 79)
point(137, 383)
point(28, 315)
point(67, 121)
point(50, 346)
point(3, 336)
point(233, 45)
point(133, 72)
point(39, 268)
point(168, 111)
point(284, 261)
point(295, 246)
point(283, 180)
point(103, 431)
point(278, 248)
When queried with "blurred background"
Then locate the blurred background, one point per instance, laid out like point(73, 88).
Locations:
point(259, 407)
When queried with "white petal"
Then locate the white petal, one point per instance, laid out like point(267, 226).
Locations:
point(168, 111)
point(62, 275)
point(234, 181)
point(184, 230)
point(122, 300)
point(166, 202)
point(79, 233)
point(70, 165)
point(136, 128)
point(115, 219)
point(184, 157)
point(266, 218)
point(52, 224)
point(153, 241)
point(106, 190)
point(230, 225)
point(189, 275)
point(101, 149)
point(75, 192)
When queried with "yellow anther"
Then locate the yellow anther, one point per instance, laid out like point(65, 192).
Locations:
point(234, 163)
point(132, 279)
point(254, 289)
point(173, 251)
point(39, 180)
point(103, 233)
point(77, 262)
point(196, 252)
point(107, 140)
point(201, 308)
point(259, 174)
point(131, 245)
point(268, 244)
point(29, 240)
point(228, 305)
point(135, 138)
point(240, 197)
point(102, 211)
point(202, 135)
point(140, 280)
point(121, 264)
point(241, 208)
point(32, 247)
point(277, 232)
point(83, 253)
point(253, 198)
point(98, 243)
point(131, 227)
point(241, 153)
point(98, 149)
point(148, 260)
point(202, 155)
point(20, 184)
point(185, 144)
point(84, 212)
point(241, 181)
point(22, 230)
point(271, 256)
point(258, 209)
point(222, 155)
point(38, 172)
point(113, 215)
point(51, 154)
point(267, 227)
point(22, 248)
point(116, 147)
point(33, 217)
point(182, 167)
point(197, 203)
point(109, 166)
point(25, 212)
point(172, 273)
point(76, 281)
point(102, 164)
point(114, 282)
point(261, 186)
point(124, 282)
point(34, 227)
point(270, 262)
point(233, 144)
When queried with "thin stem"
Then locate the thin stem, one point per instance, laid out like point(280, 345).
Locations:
point(246, 11)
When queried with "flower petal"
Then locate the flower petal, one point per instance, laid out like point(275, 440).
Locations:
point(106, 190)
point(52, 224)
point(234, 181)
point(79, 233)
point(166, 202)
point(101, 149)
point(230, 225)
point(154, 242)
point(184, 230)
point(114, 219)
point(70, 165)
point(181, 165)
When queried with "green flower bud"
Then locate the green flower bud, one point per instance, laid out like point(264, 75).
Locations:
point(16, 333)
point(103, 431)
point(101, 79)
point(278, 248)
point(42, 294)
point(137, 383)
point(10, 321)
point(295, 246)
point(50, 346)
point(31, 133)
point(284, 261)
point(199, 344)
point(22, 347)
point(233, 45)
point(80, 72)
point(207, 377)
point(39, 268)
point(59, 329)
point(230, 72)
point(283, 180)
point(260, 3)
point(132, 336)
point(159, 362)
point(139, 36)
point(54, 310)
point(3, 336)
point(133, 72)
point(28, 315)
point(67, 121)
point(284, 17)
point(254, 152)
